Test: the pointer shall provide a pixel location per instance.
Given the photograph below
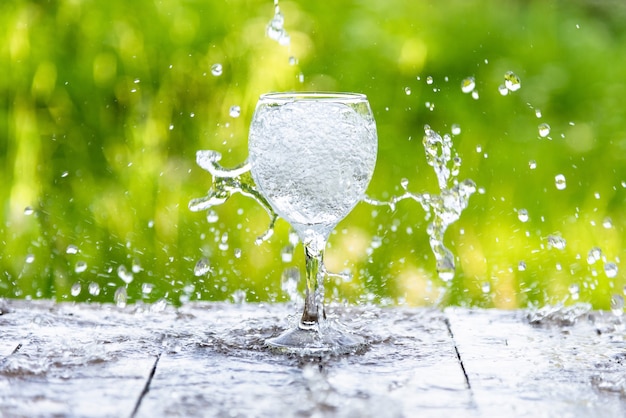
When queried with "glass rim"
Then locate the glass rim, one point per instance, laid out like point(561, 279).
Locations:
point(286, 97)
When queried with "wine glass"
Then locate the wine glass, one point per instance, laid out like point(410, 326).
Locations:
point(312, 156)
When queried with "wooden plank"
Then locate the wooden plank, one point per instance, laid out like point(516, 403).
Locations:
point(74, 361)
point(556, 367)
point(411, 365)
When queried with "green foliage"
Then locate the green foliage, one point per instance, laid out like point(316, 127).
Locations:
point(104, 104)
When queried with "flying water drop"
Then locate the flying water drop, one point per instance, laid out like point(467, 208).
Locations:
point(216, 69)
point(610, 269)
point(234, 111)
point(75, 290)
point(202, 267)
point(557, 242)
point(522, 215)
point(124, 274)
point(544, 130)
point(121, 297)
point(94, 289)
point(512, 81)
point(559, 181)
point(503, 90)
point(468, 84)
point(594, 255)
point(80, 267)
point(71, 249)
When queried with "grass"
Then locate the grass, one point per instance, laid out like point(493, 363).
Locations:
point(103, 105)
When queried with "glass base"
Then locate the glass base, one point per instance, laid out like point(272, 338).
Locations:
point(310, 342)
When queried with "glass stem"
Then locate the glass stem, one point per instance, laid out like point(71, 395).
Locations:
point(314, 298)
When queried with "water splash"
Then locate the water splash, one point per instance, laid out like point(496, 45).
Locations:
point(227, 182)
point(275, 29)
point(444, 208)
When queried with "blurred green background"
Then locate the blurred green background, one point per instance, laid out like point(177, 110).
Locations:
point(104, 104)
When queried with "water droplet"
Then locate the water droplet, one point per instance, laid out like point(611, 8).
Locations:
point(71, 249)
point(555, 241)
point(223, 245)
point(75, 290)
point(28, 211)
point(574, 291)
point(216, 69)
point(80, 267)
point(202, 267)
point(559, 181)
point(234, 111)
point(293, 60)
point(521, 266)
point(486, 287)
point(610, 269)
point(522, 215)
point(136, 266)
point(30, 258)
point(456, 129)
point(429, 80)
point(512, 81)
point(124, 274)
point(607, 223)
point(468, 85)
point(146, 288)
point(538, 113)
point(212, 216)
point(407, 91)
point(171, 127)
point(544, 130)
point(65, 174)
point(594, 255)
point(287, 254)
point(532, 164)
point(404, 183)
point(617, 305)
point(120, 297)
point(475, 95)
point(503, 90)
point(237, 252)
point(94, 289)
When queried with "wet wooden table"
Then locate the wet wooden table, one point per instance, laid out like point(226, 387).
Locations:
point(209, 360)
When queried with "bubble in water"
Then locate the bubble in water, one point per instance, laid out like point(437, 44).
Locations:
point(610, 269)
point(532, 164)
point(121, 297)
point(124, 274)
point(503, 90)
point(146, 288)
point(574, 291)
point(559, 181)
point(216, 69)
point(456, 129)
point(75, 290)
point(594, 255)
point(468, 85)
point(202, 267)
point(234, 111)
point(30, 258)
point(512, 81)
point(555, 241)
point(94, 289)
point(617, 305)
point(71, 249)
point(522, 215)
point(80, 267)
point(544, 130)
point(429, 80)
point(407, 91)
point(28, 211)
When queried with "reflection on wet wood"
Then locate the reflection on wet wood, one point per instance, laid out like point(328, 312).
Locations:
point(209, 360)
